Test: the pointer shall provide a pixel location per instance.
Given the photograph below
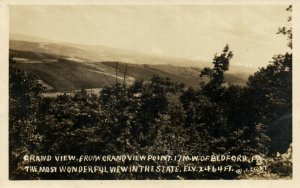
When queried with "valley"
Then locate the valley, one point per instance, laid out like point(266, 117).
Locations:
point(64, 69)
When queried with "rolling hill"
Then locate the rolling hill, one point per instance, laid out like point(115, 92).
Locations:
point(69, 67)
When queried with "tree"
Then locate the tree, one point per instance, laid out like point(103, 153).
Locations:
point(270, 96)
point(287, 31)
point(24, 99)
point(213, 89)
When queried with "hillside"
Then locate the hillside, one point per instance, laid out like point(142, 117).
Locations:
point(64, 68)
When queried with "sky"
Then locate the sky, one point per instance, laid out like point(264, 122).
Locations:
point(195, 32)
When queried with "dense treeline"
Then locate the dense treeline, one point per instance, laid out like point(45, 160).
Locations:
point(156, 117)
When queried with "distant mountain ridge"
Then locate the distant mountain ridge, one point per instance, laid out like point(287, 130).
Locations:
point(94, 52)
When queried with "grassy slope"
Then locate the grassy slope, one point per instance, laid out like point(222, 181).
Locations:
point(67, 75)
point(178, 74)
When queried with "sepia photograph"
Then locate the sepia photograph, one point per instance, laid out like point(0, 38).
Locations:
point(150, 92)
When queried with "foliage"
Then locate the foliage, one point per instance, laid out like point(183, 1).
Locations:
point(158, 117)
point(213, 88)
point(287, 31)
point(24, 99)
point(279, 167)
